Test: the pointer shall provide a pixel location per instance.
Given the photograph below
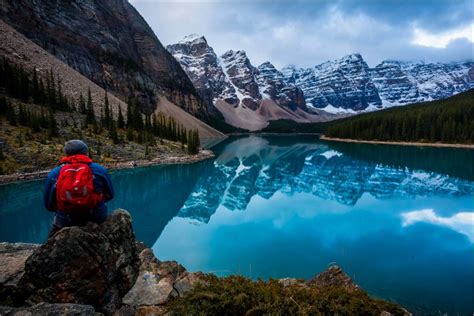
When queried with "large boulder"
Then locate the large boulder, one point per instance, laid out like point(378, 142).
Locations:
point(333, 276)
point(93, 265)
point(158, 282)
point(49, 310)
point(12, 266)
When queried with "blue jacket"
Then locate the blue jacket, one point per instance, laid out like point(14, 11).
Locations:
point(102, 184)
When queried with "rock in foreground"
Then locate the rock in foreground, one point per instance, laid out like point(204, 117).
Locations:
point(49, 309)
point(333, 276)
point(94, 265)
point(12, 267)
point(102, 268)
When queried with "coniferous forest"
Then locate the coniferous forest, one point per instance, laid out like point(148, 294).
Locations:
point(20, 88)
point(449, 121)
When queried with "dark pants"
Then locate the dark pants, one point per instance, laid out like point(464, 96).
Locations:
point(62, 220)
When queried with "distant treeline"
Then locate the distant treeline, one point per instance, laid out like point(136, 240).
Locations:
point(289, 126)
point(17, 83)
point(450, 120)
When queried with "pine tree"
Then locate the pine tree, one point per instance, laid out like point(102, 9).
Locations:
point(51, 93)
point(82, 104)
point(36, 87)
point(43, 119)
point(35, 123)
point(197, 140)
point(22, 116)
point(129, 134)
point(193, 142)
point(184, 136)
point(107, 118)
point(3, 105)
point(10, 113)
point(137, 120)
point(113, 133)
point(90, 116)
point(52, 125)
point(129, 114)
point(42, 95)
point(120, 120)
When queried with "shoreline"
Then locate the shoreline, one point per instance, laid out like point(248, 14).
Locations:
point(203, 154)
point(273, 133)
point(377, 142)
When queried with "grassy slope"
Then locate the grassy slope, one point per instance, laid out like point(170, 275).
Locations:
point(22, 150)
point(237, 295)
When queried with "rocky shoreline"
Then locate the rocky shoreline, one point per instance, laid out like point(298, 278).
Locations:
point(103, 269)
point(419, 144)
point(203, 154)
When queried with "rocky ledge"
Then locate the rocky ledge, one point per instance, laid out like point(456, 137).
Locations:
point(103, 269)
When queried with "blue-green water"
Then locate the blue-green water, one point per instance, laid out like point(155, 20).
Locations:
point(399, 220)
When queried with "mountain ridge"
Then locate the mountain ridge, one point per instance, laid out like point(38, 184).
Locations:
point(247, 96)
point(327, 91)
point(396, 82)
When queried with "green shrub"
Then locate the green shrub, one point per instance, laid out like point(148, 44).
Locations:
point(237, 295)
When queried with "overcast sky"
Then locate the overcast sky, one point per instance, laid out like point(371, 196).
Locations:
point(306, 33)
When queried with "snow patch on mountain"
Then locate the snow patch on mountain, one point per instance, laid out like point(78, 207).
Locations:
point(348, 85)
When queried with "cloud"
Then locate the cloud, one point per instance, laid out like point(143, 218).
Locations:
point(442, 39)
point(462, 222)
point(307, 33)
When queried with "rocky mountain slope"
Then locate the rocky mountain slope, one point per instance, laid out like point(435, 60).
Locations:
point(25, 53)
point(348, 85)
point(109, 43)
point(246, 95)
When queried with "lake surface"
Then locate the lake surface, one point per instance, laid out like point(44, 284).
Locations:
point(399, 220)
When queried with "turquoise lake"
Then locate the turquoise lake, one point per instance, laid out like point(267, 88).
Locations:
point(398, 220)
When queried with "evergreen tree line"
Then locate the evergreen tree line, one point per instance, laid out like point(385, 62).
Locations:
point(29, 118)
point(450, 120)
point(143, 128)
point(16, 83)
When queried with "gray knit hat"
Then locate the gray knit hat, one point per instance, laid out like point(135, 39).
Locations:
point(75, 147)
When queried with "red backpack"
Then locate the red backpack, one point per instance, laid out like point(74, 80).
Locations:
point(75, 188)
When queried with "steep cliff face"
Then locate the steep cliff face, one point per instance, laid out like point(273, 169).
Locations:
point(393, 84)
point(247, 96)
point(203, 67)
point(438, 80)
point(242, 74)
point(344, 84)
point(272, 85)
point(111, 44)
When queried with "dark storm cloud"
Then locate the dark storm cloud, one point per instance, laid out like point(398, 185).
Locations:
point(306, 33)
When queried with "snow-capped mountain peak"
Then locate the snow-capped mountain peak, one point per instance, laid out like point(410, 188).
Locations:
point(245, 93)
point(349, 85)
point(192, 38)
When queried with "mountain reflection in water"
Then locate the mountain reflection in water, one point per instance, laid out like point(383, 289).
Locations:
point(397, 219)
point(256, 166)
